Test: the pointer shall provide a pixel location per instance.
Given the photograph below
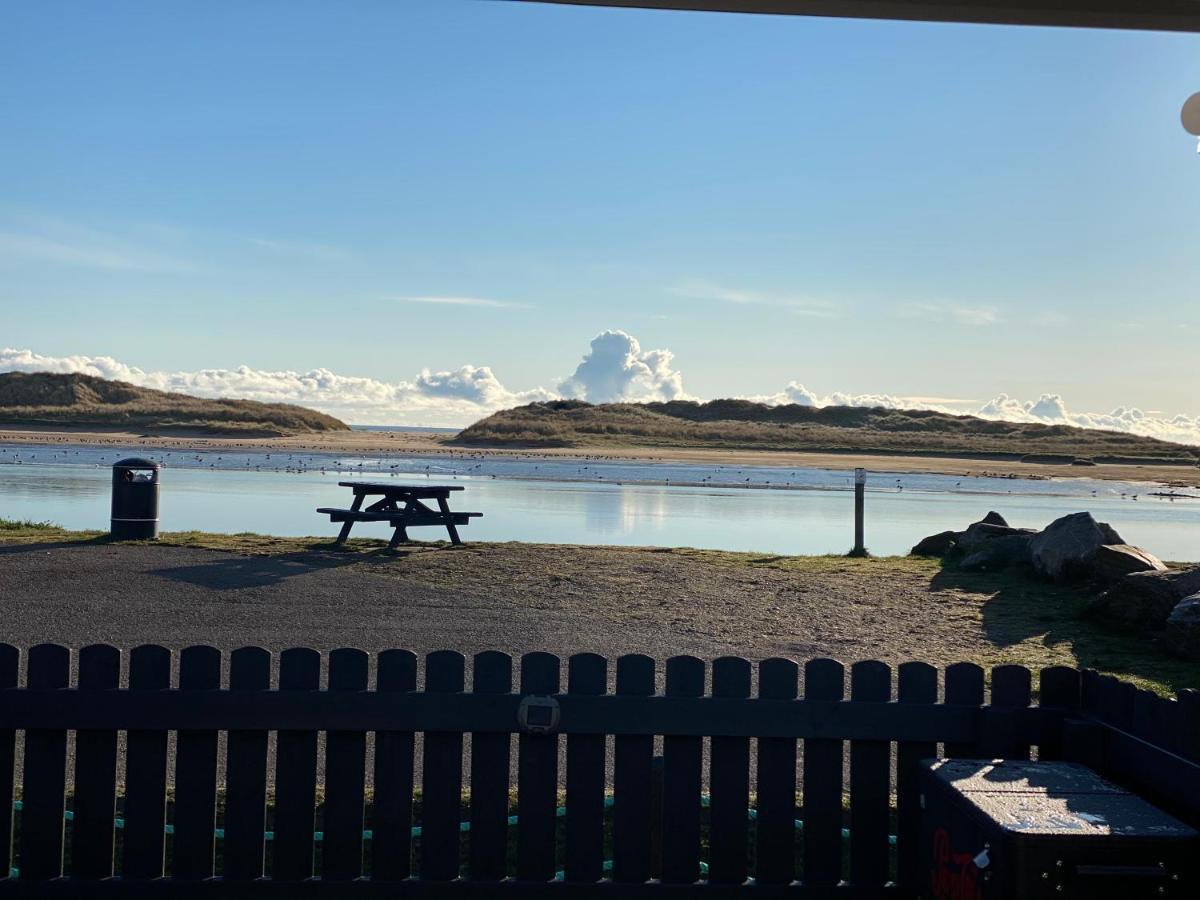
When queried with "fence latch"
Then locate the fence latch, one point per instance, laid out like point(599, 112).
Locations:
point(537, 715)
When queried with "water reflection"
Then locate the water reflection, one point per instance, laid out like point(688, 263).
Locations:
point(534, 508)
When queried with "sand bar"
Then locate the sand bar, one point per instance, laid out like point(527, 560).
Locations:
point(435, 444)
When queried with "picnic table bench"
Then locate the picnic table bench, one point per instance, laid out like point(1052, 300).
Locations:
point(401, 506)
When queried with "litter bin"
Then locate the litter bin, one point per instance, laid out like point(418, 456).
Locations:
point(1018, 830)
point(134, 500)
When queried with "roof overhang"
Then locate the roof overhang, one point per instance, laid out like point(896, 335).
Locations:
point(1153, 15)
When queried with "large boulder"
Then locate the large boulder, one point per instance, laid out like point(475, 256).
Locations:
point(1114, 560)
point(935, 545)
point(983, 532)
point(1067, 548)
point(1145, 599)
point(1182, 632)
point(944, 541)
point(997, 553)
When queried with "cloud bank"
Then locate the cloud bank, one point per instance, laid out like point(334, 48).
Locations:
point(450, 398)
point(1048, 409)
point(615, 368)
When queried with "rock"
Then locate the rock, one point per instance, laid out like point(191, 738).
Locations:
point(1145, 599)
point(1067, 548)
point(935, 544)
point(982, 532)
point(993, 518)
point(1182, 633)
point(1114, 560)
point(997, 554)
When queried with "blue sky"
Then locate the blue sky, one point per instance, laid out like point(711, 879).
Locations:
point(921, 210)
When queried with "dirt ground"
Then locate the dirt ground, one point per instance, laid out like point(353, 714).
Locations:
point(73, 589)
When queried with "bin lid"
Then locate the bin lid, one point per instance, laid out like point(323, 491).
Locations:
point(135, 462)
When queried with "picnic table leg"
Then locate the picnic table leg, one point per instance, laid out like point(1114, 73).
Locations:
point(445, 508)
point(399, 535)
point(349, 523)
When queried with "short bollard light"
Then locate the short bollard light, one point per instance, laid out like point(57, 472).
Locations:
point(135, 500)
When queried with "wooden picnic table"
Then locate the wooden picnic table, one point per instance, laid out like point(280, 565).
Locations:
point(401, 506)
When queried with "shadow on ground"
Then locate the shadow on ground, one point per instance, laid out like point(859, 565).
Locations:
point(45, 546)
point(238, 573)
point(1021, 608)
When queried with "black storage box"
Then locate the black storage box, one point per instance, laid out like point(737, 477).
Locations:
point(1012, 830)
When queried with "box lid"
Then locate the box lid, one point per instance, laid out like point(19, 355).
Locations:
point(1053, 798)
point(1021, 776)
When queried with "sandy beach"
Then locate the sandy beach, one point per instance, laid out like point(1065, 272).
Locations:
point(436, 444)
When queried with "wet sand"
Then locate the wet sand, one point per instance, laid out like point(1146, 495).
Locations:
point(435, 444)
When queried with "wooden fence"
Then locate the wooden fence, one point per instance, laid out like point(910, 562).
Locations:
point(768, 819)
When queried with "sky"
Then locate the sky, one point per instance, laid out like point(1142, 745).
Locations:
point(419, 211)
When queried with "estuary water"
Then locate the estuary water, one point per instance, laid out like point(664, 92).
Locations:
point(785, 510)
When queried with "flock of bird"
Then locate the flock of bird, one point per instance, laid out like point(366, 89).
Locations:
point(469, 464)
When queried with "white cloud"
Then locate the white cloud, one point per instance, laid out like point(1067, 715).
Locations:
point(83, 251)
point(432, 398)
point(463, 301)
point(1048, 409)
point(799, 305)
point(954, 312)
point(616, 369)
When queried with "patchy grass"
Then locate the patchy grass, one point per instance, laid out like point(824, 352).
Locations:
point(711, 602)
point(18, 527)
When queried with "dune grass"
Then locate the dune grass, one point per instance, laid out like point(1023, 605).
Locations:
point(745, 425)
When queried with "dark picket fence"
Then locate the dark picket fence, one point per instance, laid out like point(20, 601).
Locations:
point(650, 829)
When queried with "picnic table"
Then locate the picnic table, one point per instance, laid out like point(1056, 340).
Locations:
point(401, 506)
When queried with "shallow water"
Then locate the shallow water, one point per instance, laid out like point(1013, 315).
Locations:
point(767, 509)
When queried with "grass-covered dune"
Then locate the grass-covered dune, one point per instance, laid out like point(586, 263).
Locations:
point(51, 400)
point(745, 425)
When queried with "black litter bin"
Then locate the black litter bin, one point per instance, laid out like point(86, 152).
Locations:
point(135, 500)
point(1019, 830)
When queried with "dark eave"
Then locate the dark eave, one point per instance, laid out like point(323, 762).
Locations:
point(1153, 15)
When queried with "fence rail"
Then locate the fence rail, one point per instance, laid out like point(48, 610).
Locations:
point(780, 743)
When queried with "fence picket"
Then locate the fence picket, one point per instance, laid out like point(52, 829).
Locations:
point(192, 851)
point(824, 679)
point(10, 662)
point(587, 674)
point(44, 785)
point(870, 681)
point(632, 760)
point(146, 773)
point(391, 824)
point(345, 768)
point(775, 830)
point(491, 755)
point(1060, 687)
point(95, 773)
point(295, 774)
point(441, 781)
point(1188, 717)
point(682, 776)
point(964, 687)
point(917, 684)
point(537, 778)
point(1011, 691)
point(729, 781)
point(246, 774)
